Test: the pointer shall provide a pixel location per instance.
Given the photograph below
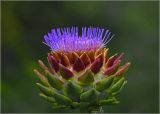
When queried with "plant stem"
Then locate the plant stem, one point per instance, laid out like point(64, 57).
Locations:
point(91, 110)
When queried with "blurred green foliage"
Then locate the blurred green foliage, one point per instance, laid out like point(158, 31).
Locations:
point(24, 24)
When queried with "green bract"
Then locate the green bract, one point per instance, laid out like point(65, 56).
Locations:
point(82, 80)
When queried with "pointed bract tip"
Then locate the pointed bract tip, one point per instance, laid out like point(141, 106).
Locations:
point(86, 77)
point(65, 60)
point(86, 60)
point(42, 65)
point(112, 69)
point(53, 63)
point(123, 69)
point(65, 72)
point(78, 65)
point(96, 65)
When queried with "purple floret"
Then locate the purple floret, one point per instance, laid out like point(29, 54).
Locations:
point(70, 40)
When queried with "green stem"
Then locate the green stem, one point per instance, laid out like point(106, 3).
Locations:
point(93, 110)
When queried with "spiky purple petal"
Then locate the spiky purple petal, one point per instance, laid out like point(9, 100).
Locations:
point(70, 40)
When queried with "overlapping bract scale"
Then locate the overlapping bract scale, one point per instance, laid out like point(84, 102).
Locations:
point(89, 75)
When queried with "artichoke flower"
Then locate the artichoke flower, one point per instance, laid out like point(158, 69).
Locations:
point(80, 74)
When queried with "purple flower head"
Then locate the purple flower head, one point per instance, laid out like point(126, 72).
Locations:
point(70, 40)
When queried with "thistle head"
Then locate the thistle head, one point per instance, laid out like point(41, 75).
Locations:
point(80, 70)
point(71, 40)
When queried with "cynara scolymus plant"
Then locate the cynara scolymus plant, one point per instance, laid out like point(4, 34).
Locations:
point(81, 75)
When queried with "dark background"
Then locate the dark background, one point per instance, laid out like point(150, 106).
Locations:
point(24, 24)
